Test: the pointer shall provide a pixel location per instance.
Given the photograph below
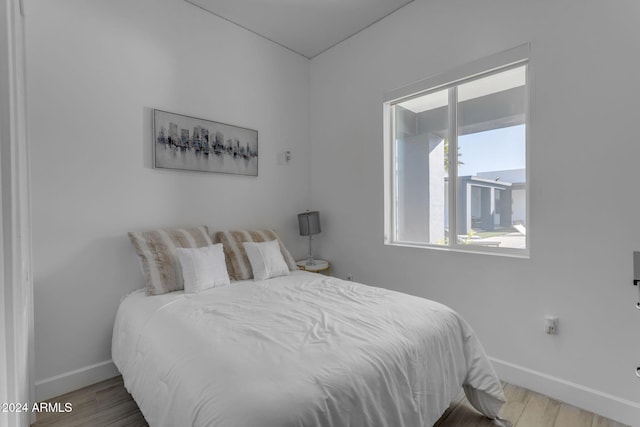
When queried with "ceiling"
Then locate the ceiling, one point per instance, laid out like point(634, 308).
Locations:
point(307, 27)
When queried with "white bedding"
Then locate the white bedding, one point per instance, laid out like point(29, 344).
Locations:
point(298, 350)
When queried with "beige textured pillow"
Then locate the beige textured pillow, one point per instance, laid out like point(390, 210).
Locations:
point(238, 264)
point(157, 252)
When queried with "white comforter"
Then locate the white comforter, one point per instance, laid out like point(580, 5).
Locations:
point(299, 350)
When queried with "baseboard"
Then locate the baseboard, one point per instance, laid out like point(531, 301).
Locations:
point(609, 406)
point(74, 380)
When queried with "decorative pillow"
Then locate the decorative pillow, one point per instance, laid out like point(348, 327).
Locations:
point(266, 259)
point(203, 268)
point(238, 263)
point(157, 252)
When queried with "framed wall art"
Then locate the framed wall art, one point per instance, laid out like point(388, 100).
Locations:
point(192, 144)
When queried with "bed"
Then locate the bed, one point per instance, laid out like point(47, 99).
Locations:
point(299, 349)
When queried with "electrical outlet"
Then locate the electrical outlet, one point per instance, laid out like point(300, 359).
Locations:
point(350, 277)
point(551, 325)
point(284, 157)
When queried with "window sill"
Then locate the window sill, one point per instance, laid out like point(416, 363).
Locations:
point(478, 249)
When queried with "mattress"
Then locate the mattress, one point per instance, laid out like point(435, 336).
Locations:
point(298, 350)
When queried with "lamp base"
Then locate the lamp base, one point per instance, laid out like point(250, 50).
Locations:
point(309, 261)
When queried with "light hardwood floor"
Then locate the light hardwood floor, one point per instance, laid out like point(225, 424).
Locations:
point(108, 404)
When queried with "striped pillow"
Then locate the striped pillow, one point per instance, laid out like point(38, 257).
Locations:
point(157, 252)
point(238, 264)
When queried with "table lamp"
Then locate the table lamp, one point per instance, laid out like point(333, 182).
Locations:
point(309, 223)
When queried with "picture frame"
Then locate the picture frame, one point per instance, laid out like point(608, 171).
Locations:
point(192, 144)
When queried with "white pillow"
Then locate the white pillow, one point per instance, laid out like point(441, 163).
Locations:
point(203, 268)
point(266, 259)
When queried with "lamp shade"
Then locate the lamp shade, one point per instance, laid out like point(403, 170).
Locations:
point(309, 223)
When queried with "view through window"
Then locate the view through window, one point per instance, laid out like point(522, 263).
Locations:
point(459, 164)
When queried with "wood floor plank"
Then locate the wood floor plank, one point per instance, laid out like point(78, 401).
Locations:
point(117, 412)
point(599, 421)
point(570, 416)
point(516, 394)
point(450, 409)
point(82, 400)
point(464, 415)
point(111, 396)
point(540, 411)
point(517, 399)
point(134, 420)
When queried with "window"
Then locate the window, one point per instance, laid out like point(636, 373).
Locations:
point(456, 158)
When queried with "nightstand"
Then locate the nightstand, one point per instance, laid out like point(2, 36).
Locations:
point(321, 266)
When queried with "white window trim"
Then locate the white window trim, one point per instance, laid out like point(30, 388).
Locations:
point(16, 299)
point(485, 66)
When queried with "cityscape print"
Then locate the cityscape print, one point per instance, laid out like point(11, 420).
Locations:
point(188, 143)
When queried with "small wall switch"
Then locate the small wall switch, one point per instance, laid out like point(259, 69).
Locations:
point(551, 325)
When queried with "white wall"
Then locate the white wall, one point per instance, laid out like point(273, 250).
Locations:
point(94, 71)
point(584, 205)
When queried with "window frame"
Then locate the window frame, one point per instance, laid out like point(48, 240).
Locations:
point(450, 80)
